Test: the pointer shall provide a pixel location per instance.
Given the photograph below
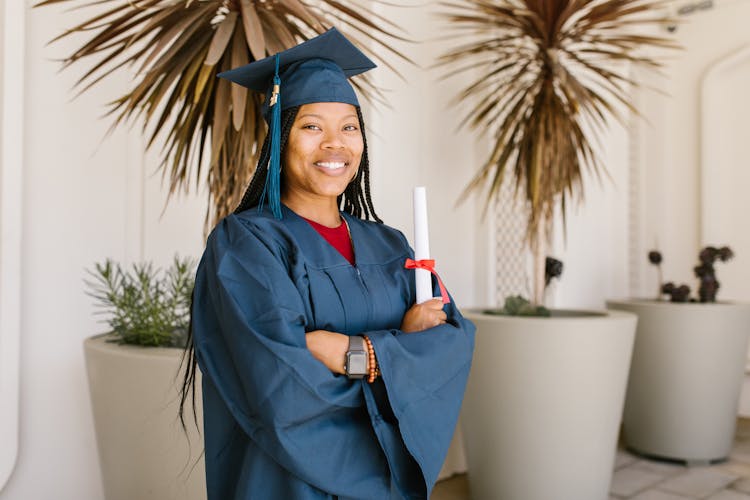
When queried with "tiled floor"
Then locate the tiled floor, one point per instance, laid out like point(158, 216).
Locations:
point(636, 478)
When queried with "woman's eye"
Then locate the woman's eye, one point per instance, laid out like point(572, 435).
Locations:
point(311, 126)
point(350, 128)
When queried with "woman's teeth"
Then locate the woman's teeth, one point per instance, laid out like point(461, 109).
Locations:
point(331, 165)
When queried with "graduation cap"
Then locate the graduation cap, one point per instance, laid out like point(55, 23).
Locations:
point(314, 71)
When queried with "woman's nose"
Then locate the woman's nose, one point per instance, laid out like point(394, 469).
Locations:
point(332, 140)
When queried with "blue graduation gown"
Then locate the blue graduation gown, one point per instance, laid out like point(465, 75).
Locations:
point(278, 424)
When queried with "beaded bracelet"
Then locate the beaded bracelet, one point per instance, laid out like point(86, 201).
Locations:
point(372, 362)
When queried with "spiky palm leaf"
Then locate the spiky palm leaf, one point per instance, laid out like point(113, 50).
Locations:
point(551, 71)
point(178, 47)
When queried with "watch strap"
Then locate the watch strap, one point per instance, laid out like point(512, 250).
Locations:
point(357, 343)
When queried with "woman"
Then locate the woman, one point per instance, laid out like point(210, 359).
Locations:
point(321, 377)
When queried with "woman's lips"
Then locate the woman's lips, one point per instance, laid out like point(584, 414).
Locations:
point(332, 167)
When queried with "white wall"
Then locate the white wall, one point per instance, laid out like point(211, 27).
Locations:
point(415, 143)
point(693, 166)
point(671, 147)
point(11, 62)
point(656, 197)
point(594, 249)
point(82, 202)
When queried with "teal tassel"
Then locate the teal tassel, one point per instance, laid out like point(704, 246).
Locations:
point(272, 187)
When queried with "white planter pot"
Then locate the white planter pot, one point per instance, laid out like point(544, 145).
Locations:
point(685, 380)
point(143, 451)
point(542, 409)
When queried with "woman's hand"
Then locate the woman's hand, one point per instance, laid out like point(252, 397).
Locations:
point(423, 316)
point(329, 348)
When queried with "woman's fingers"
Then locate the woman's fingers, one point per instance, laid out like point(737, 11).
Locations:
point(436, 308)
point(425, 315)
point(440, 317)
point(435, 304)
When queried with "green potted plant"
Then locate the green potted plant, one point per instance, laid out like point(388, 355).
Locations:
point(688, 367)
point(545, 394)
point(134, 389)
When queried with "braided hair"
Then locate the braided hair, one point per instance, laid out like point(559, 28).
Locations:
point(355, 200)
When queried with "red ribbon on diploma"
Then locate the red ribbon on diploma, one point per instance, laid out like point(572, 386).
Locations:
point(429, 265)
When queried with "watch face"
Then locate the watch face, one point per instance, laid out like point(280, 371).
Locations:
point(356, 363)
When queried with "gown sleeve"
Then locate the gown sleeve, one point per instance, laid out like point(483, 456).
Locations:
point(249, 333)
point(425, 375)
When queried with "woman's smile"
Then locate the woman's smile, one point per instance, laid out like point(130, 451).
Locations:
point(333, 167)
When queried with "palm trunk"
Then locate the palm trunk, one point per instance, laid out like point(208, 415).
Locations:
point(539, 251)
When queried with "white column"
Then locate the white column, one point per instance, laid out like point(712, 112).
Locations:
point(12, 18)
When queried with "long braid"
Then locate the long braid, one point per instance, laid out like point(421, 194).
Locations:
point(249, 200)
point(260, 174)
point(190, 361)
point(255, 188)
point(367, 201)
point(356, 198)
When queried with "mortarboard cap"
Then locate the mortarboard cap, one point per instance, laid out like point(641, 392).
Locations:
point(314, 71)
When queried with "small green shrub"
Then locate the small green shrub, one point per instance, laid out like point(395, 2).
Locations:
point(519, 306)
point(144, 306)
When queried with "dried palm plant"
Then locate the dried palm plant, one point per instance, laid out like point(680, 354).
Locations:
point(178, 47)
point(552, 71)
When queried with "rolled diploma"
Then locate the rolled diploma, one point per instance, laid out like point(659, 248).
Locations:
point(421, 244)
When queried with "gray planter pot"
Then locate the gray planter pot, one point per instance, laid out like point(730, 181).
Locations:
point(685, 379)
point(143, 451)
point(543, 404)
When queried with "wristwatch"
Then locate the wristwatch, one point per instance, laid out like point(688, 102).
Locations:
point(355, 364)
